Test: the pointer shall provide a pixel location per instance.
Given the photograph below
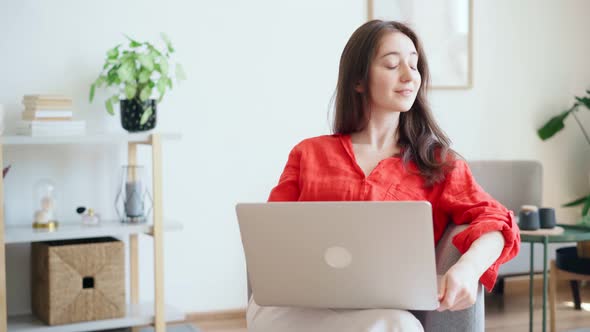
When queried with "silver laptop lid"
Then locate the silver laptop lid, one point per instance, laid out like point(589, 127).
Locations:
point(340, 254)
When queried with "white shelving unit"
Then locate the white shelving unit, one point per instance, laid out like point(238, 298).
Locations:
point(87, 139)
point(77, 230)
point(137, 315)
point(156, 313)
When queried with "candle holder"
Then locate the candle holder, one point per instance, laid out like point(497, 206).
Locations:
point(133, 202)
point(45, 199)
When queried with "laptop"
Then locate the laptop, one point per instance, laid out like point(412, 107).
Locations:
point(340, 255)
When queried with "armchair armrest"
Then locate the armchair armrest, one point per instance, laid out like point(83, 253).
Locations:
point(471, 319)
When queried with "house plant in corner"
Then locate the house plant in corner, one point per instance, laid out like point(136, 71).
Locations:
point(552, 127)
point(137, 71)
point(556, 124)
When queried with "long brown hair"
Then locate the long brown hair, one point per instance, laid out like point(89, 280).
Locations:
point(420, 138)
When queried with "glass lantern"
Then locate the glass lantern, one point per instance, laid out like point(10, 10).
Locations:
point(133, 202)
point(45, 204)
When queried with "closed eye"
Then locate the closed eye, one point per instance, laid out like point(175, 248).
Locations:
point(395, 67)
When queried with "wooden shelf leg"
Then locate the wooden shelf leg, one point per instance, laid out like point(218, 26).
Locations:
point(159, 320)
point(133, 244)
point(134, 272)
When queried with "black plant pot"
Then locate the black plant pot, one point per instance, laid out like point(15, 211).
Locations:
point(567, 259)
point(131, 112)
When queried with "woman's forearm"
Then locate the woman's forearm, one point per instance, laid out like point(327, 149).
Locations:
point(484, 251)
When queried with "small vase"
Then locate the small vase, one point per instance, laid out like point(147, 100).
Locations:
point(133, 202)
point(131, 112)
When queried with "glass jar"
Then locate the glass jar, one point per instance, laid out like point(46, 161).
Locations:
point(45, 204)
point(133, 202)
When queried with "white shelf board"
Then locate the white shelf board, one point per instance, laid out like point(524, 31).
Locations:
point(137, 315)
point(76, 230)
point(91, 138)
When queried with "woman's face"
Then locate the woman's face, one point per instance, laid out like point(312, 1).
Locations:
point(394, 79)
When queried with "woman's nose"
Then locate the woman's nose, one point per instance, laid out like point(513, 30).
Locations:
point(406, 75)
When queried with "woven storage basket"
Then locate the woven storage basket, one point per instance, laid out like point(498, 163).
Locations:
point(78, 280)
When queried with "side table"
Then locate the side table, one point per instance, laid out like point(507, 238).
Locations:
point(571, 233)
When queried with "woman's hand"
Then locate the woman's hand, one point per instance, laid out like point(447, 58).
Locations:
point(458, 287)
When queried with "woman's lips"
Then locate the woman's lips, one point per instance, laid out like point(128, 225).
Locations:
point(405, 93)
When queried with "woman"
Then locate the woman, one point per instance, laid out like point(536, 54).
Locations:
point(387, 146)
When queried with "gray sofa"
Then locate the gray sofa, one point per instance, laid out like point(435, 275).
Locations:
point(513, 183)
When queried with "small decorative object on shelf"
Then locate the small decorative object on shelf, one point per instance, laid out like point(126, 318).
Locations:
point(5, 171)
point(133, 202)
point(547, 217)
point(89, 217)
point(137, 71)
point(78, 280)
point(45, 195)
point(49, 115)
point(528, 218)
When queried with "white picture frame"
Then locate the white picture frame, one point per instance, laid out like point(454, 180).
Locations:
point(445, 28)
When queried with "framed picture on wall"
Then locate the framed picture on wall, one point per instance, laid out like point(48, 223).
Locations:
point(445, 29)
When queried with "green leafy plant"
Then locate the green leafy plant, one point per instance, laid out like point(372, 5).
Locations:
point(137, 71)
point(582, 200)
point(556, 124)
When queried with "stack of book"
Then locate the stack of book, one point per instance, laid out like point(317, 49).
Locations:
point(49, 115)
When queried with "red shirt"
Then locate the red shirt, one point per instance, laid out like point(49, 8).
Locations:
point(324, 168)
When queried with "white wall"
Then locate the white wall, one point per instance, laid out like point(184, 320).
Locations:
point(260, 78)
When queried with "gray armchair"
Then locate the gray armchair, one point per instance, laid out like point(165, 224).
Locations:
point(512, 183)
point(471, 319)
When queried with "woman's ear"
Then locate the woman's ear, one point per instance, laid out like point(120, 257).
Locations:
point(359, 87)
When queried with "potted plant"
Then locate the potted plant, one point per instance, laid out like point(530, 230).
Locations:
point(137, 72)
point(556, 124)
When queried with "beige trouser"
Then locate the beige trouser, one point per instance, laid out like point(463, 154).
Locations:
point(285, 319)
